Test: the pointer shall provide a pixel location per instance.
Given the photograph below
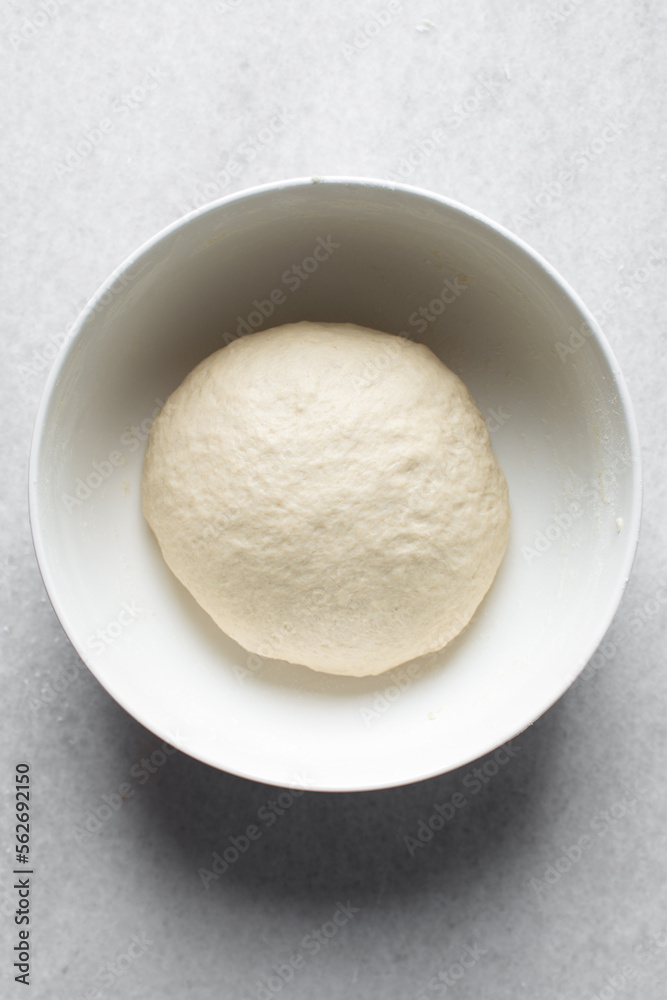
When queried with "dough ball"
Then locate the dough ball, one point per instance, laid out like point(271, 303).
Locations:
point(329, 495)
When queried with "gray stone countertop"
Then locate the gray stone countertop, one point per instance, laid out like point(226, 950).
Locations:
point(545, 117)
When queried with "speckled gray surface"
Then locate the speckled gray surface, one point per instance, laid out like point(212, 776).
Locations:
point(544, 117)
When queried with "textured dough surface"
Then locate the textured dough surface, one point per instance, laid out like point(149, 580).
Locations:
point(329, 496)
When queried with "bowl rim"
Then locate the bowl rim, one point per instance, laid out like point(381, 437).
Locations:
point(631, 529)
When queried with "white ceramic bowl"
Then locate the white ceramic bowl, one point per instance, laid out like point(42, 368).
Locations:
point(385, 256)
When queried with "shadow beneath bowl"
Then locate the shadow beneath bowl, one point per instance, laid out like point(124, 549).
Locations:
point(370, 847)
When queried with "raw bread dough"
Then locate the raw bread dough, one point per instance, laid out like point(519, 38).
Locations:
point(329, 496)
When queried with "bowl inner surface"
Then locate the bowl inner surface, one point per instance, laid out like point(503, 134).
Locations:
point(401, 261)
